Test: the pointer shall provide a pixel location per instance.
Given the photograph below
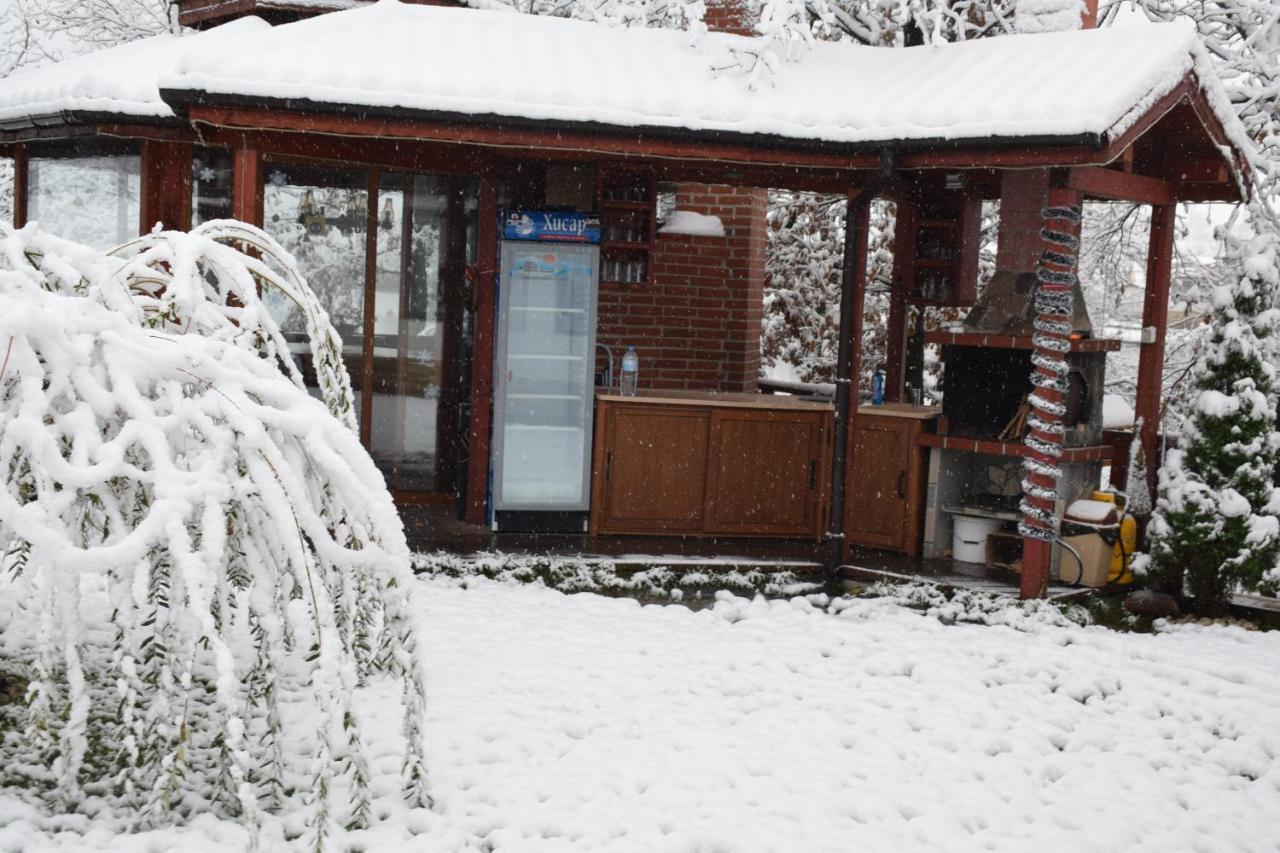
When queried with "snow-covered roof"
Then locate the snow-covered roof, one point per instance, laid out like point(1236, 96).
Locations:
point(469, 64)
point(492, 64)
point(117, 81)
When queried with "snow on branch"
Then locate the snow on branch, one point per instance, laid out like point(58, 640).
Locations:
point(198, 540)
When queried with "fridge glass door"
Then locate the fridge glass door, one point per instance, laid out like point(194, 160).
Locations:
point(547, 323)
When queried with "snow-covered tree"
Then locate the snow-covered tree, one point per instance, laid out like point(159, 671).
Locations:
point(1243, 40)
point(51, 27)
point(1217, 519)
point(200, 546)
point(804, 256)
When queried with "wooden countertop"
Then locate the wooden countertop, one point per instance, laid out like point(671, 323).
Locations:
point(899, 410)
point(724, 399)
point(750, 400)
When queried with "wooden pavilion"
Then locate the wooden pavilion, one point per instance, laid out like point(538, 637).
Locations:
point(386, 139)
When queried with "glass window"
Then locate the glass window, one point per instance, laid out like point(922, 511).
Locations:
point(320, 217)
point(88, 196)
point(211, 177)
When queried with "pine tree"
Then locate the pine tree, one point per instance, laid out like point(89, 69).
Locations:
point(1217, 521)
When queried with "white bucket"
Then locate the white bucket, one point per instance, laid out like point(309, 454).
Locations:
point(969, 537)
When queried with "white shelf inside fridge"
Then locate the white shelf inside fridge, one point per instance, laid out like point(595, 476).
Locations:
point(535, 309)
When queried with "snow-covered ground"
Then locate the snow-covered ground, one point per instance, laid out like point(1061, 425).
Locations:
point(579, 722)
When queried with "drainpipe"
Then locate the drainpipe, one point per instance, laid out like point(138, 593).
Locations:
point(854, 268)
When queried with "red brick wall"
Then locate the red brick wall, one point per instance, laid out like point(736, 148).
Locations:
point(730, 16)
point(698, 325)
point(1022, 195)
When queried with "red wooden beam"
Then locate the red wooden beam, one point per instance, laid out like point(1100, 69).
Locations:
point(246, 185)
point(1155, 322)
point(1097, 182)
point(166, 185)
point(20, 181)
point(484, 281)
point(1004, 158)
point(251, 119)
point(145, 131)
point(896, 345)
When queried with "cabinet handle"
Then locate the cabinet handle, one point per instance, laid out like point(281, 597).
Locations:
point(608, 466)
point(813, 474)
point(902, 485)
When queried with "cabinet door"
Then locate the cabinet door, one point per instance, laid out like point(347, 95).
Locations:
point(654, 469)
point(878, 484)
point(764, 472)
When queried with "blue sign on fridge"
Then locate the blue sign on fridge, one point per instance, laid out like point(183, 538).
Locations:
point(551, 226)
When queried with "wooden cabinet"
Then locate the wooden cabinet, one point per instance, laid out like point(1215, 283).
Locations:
point(727, 465)
point(887, 478)
point(652, 476)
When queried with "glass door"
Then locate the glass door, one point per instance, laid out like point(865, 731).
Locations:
point(320, 216)
point(545, 358)
point(420, 377)
point(405, 319)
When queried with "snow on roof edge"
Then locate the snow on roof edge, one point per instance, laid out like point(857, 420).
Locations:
point(122, 80)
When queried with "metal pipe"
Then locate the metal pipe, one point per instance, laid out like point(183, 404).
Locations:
point(853, 268)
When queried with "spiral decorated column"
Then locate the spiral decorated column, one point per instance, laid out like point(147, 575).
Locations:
point(1055, 275)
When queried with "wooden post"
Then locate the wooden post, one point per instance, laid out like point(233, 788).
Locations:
point(484, 281)
point(166, 185)
point(895, 348)
point(20, 185)
point(1155, 321)
point(370, 305)
point(855, 260)
point(246, 185)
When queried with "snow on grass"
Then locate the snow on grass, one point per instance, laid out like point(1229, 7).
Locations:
point(580, 722)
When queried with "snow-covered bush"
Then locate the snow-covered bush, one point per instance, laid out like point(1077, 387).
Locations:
point(200, 545)
point(1217, 519)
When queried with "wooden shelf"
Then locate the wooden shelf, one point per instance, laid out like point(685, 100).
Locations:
point(627, 215)
point(942, 222)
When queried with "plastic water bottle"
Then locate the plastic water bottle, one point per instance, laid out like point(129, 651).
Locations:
point(877, 388)
point(630, 376)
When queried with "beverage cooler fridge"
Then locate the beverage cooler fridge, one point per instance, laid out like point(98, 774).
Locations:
point(545, 365)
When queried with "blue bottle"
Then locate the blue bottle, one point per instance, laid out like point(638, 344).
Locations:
point(877, 388)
